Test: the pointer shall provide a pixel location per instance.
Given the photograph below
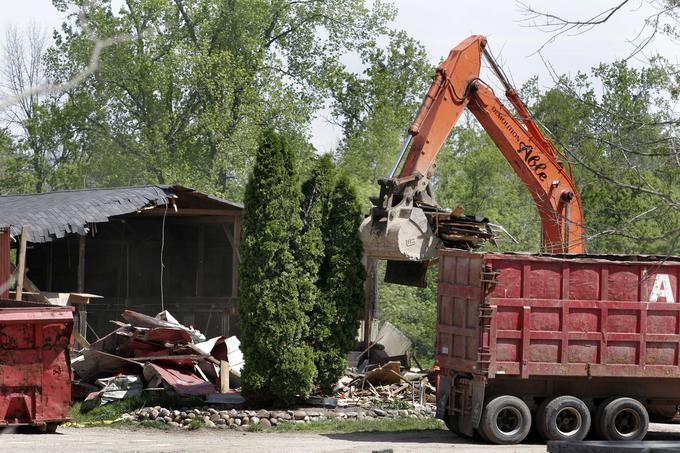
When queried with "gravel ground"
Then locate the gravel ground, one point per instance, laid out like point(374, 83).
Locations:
point(108, 439)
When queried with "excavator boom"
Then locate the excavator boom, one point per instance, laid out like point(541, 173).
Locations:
point(406, 224)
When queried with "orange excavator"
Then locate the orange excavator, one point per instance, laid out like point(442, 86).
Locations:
point(407, 227)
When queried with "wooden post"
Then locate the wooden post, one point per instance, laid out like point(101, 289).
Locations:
point(370, 297)
point(22, 262)
point(81, 264)
point(224, 376)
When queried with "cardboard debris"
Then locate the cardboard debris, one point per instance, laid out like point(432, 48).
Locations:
point(387, 374)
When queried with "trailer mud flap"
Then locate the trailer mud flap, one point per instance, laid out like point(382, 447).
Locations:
point(478, 386)
point(443, 392)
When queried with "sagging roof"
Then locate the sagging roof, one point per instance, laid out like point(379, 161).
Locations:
point(53, 215)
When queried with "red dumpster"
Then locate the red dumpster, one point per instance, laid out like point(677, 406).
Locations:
point(569, 344)
point(35, 370)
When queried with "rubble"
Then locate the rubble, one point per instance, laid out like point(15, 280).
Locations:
point(157, 353)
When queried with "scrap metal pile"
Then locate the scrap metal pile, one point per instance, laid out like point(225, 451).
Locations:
point(157, 353)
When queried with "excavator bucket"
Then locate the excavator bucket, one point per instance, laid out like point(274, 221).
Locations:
point(400, 234)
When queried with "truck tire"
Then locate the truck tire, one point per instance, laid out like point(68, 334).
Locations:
point(621, 419)
point(505, 420)
point(563, 418)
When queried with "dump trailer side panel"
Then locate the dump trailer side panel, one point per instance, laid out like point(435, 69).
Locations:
point(533, 326)
point(35, 372)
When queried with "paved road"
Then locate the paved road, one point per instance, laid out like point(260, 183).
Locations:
point(106, 439)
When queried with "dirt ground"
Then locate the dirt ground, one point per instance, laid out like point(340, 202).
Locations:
point(107, 439)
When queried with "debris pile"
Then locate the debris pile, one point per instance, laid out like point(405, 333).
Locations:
point(158, 353)
point(388, 385)
point(383, 375)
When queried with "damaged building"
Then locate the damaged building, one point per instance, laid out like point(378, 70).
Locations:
point(147, 249)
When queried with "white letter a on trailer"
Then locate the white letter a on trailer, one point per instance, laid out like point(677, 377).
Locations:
point(662, 288)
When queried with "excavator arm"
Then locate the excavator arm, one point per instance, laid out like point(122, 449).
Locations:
point(406, 224)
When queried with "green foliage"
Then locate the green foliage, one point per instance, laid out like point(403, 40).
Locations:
point(413, 311)
point(375, 110)
point(620, 138)
point(15, 170)
point(341, 279)
point(274, 324)
point(311, 255)
point(184, 98)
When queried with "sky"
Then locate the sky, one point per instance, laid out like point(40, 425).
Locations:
point(441, 24)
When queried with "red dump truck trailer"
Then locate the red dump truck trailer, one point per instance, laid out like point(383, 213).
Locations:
point(35, 371)
point(566, 344)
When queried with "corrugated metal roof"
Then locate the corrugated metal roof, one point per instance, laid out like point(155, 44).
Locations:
point(53, 215)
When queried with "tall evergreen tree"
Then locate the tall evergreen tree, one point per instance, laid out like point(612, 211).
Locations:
point(279, 365)
point(341, 279)
point(317, 192)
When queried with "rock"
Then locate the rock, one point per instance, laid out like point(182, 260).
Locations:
point(350, 414)
point(160, 420)
point(206, 418)
point(379, 412)
point(212, 410)
point(233, 413)
point(254, 420)
point(332, 414)
point(176, 413)
point(299, 415)
point(241, 415)
point(215, 417)
point(245, 420)
point(237, 422)
point(209, 424)
point(224, 416)
point(220, 421)
point(273, 421)
point(167, 419)
point(281, 415)
point(307, 418)
point(403, 413)
point(222, 426)
point(250, 413)
point(191, 415)
point(262, 413)
point(314, 413)
point(265, 423)
point(154, 413)
point(173, 424)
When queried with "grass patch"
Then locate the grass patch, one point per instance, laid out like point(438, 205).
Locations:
point(356, 426)
point(114, 410)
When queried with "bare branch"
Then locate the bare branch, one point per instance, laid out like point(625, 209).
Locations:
point(558, 26)
point(25, 91)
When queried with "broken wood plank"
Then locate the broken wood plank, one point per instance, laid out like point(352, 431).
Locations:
point(22, 262)
point(224, 376)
